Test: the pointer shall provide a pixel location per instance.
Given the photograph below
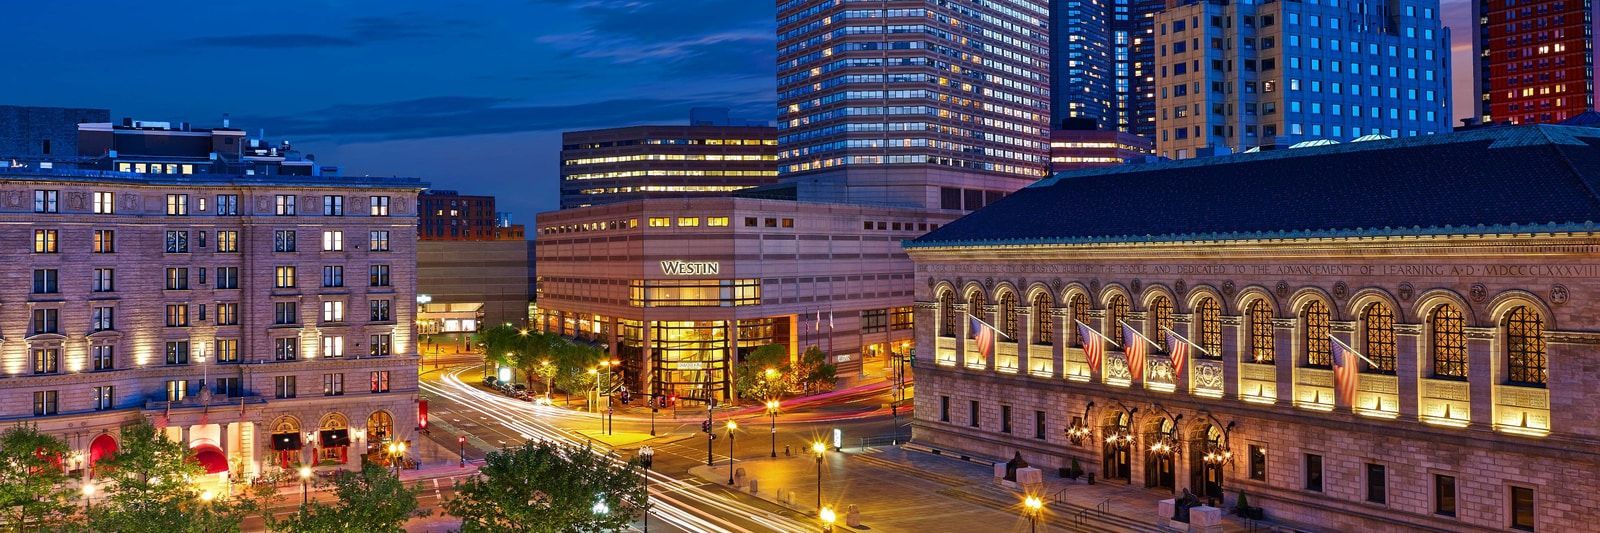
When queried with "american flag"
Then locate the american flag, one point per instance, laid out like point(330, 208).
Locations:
point(1134, 346)
point(1345, 363)
point(1178, 349)
point(1093, 345)
point(985, 336)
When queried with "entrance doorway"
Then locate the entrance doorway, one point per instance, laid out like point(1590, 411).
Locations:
point(1116, 454)
point(1206, 456)
point(1159, 471)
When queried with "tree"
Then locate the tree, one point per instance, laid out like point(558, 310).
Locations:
point(545, 487)
point(33, 491)
point(814, 370)
point(150, 487)
point(764, 374)
point(370, 500)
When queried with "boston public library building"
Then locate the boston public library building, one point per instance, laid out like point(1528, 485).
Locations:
point(1379, 335)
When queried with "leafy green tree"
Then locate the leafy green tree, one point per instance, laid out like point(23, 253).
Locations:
point(372, 500)
point(33, 486)
point(150, 487)
point(815, 372)
point(545, 487)
point(764, 374)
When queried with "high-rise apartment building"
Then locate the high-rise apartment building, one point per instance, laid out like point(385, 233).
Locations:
point(253, 324)
point(1080, 63)
point(1535, 60)
point(914, 103)
point(1133, 58)
point(698, 160)
point(1236, 76)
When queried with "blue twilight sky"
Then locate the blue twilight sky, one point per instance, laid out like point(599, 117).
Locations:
point(467, 95)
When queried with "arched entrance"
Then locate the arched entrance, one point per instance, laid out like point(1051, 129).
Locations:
point(380, 428)
point(1208, 452)
point(1116, 454)
point(1159, 471)
point(101, 448)
point(286, 440)
point(333, 439)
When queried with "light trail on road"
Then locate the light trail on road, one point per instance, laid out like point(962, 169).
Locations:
point(674, 501)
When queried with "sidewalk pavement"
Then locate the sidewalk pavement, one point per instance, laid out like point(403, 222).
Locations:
point(950, 494)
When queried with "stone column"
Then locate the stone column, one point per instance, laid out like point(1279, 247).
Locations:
point(963, 331)
point(1481, 353)
point(1058, 342)
point(925, 337)
point(1233, 348)
point(1283, 357)
point(1025, 340)
point(1408, 367)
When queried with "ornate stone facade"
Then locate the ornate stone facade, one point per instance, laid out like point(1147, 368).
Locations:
point(264, 321)
point(1476, 411)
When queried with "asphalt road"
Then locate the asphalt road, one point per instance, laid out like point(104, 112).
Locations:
point(680, 502)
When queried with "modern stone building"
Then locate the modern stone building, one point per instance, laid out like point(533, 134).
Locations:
point(262, 321)
point(1459, 266)
point(473, 265)
point(665, 161)
point(913, 103)
point(1234, 76)
point(679, 290)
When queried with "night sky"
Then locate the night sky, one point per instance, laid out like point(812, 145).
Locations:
point(467, 95)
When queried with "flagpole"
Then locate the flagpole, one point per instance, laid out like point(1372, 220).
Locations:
point(1352, 350)
point(1098, 334)
point(990, 326)
point(1141, 335)
point(1185, 340)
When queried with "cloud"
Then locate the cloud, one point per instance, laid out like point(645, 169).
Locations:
point(357, 32)
point(454, 116)
point(272, 41)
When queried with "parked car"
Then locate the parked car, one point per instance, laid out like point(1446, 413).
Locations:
point(491, 381)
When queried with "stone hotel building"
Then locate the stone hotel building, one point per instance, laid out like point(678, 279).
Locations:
point(1460, 267)
point(264, 321)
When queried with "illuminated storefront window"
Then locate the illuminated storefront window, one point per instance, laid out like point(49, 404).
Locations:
point(694, 292)
point(691, 358)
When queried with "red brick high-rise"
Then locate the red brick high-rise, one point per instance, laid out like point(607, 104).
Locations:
point(1535, 60)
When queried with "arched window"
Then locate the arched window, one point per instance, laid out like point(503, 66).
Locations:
point(1008, 316)
point(1449, 342)
point(1525, 350)
point(1080, 313)
point(1043, 327)
point(1262, 343)
point(1210, 326)
point(1116, 312)
point(1380, 346)
point(947, 309)
point(1315, 316)
point(1160, 317)
point(975, 305)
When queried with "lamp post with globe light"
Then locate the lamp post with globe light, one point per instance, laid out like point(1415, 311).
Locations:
point(1032, 506)
point(819, 449)
point(647, 456)
point(305, 485)
point(731, 427)
point(772, 411)
point(88, 496)
point(827, 516)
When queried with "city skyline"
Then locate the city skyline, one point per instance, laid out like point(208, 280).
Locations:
point(351, 88)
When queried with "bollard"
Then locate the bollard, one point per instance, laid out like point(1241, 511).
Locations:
point(754, 486)
point(852, 517)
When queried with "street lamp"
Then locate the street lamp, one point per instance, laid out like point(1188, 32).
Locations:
point(1032, 506)
point(594, 374)
point(819, 449)
point(772, 411)
point(548, 376)
point(397, 451)
point(731, 426)
point(647, 456)
point(88, 496)
point(305, 485)
point(462, 442)
point(827, 517)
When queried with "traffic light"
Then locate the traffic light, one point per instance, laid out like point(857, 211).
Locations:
point(705, 426)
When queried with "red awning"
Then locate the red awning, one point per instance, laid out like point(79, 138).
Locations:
point(103, 447)
point(211, 457)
